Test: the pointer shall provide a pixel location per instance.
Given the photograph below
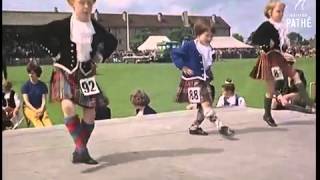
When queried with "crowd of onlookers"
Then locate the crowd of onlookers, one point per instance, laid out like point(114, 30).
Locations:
point(232, 53)
point(296, 51)
point(302, 51)
point(17, 52)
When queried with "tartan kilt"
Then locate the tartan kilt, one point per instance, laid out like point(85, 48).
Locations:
point(266, 61)
point(66, 86)
point(205, 90)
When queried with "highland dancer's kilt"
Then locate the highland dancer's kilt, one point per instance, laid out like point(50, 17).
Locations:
point(271, 66)
point(205, 90)
point(67, 86)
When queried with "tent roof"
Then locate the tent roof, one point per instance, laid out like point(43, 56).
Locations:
point(221, 42)
point(151, 42)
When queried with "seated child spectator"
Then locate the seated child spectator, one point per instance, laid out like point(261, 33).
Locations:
point(140, 100)
point(288, 96)
point(10, 102)
point(6, 123)
point(229, 98)
point(34, 93)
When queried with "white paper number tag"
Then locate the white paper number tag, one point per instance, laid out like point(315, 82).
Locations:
point(277, 73)
point(89, 86)
point(194, 95)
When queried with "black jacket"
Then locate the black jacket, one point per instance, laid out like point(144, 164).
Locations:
point(264, 34)
point(55, 38)
point(9, 102)
point(147, 110)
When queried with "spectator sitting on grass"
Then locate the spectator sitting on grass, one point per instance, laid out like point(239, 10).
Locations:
point(288, 96)
point(6, 123)
point(34, 93)
point(229, 98)
point(140, 100)
point(10, 102)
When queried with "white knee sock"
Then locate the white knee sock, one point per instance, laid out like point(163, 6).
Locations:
point(211, 115)
point(218, 123)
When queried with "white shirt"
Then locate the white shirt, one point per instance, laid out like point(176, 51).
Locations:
point(283, 32)
point(206, 53)
point(16, 98)
point(232, 101)
point(81, 33)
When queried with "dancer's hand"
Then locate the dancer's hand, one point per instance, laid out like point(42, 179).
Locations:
point(187, 71)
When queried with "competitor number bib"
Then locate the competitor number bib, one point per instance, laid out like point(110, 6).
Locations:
point(89, 86)
point(194, 95)
point(277, 73)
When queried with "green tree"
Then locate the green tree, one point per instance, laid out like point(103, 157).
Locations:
point(312, 42)
point(305, 42)
point(237, 36)
point(178, 34)
point(295, 38)
point(139, 38)
point(249, 40)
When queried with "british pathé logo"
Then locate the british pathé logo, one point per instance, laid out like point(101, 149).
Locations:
point(299, 19)
point(300, 4)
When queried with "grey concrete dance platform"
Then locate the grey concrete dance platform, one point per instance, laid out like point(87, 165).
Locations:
point(158, 147)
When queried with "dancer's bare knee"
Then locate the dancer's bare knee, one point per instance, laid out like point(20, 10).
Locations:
point(68, 108)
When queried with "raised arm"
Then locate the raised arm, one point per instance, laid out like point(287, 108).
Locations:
point(45, 35)
point(110, 45)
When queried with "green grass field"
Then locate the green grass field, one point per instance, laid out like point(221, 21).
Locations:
point(160, 81)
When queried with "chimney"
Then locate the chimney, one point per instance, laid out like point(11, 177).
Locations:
point(159, 17)
point(124, 16)
point(213, 18)
point(96, 15)
point(56, 9)
point(185, 19)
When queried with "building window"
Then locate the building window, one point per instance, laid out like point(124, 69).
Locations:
point(119, 41)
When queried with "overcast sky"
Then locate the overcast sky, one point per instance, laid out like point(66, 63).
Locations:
point(243, 16)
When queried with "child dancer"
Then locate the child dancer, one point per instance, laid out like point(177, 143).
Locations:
point(271, 66)
point(194, 59)
point(75, 42)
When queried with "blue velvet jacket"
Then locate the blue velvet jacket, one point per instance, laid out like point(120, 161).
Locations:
point(188, 55)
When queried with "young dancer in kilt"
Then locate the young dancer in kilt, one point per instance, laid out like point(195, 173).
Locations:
point(75, 42)
point(194, 59)
point(271, 66)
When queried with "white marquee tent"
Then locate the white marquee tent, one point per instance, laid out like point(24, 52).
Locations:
point(221, 42)
point(151, 42)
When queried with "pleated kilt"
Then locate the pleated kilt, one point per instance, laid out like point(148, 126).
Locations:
point(205, 90)
point(67, 86)
point(268, 62)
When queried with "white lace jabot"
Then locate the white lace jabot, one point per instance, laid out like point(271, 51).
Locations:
point(206, 53)
point(283, 32)
point(81, 33)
